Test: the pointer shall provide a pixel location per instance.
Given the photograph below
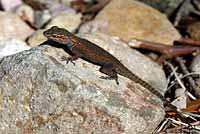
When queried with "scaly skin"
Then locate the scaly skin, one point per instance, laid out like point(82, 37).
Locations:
point(89, 51)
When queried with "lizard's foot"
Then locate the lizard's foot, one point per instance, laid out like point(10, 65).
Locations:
point(109, 70)
point(68, 59)
point(110, 78)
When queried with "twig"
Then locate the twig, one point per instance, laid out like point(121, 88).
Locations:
point(88, 10)
point(178, 80)
point(96, 8)
point(184, 76)
point(36, 5)
point(166, 50)
point(188, 115)
point(183, 11)
point(192, 114)
point(185, 71)
point(175, 74)
point(78, 5)
point(162, 126)
point(187, 41)
point(178, 122)
point(191, 126)
point(169, 77)
point(191, 96)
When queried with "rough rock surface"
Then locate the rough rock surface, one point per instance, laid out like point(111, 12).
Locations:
point(11, 46)
point(68, 19)
point(25, 12)
point(193, 30)
point(41, 94)
point(8, 5)
point(13, 27)
point(42, 18)
point(166, 6)
point(195, 65)
point(195, 68)
point(36, 38)
point(132, 19)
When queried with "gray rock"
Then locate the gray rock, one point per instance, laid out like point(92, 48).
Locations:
point(11, 46)
point(193, 31)
point(166, 6)
point(26, 12)
point(13, 27)
point(195, 68)
point(41, 94)
point(8, 5)
point(68, 19)
point(195, 65)
point(41, 17)
point(36, 38)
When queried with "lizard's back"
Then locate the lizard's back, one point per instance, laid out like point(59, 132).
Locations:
point(93, 53)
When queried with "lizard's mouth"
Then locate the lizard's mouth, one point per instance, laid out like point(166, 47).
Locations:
point(59, 40)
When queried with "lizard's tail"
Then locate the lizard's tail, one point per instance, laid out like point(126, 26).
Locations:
point(127, 73)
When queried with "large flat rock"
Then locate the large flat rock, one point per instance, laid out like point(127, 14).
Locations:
point(132, 19)
point(41, 94)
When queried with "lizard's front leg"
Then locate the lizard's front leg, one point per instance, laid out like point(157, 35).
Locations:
point(70, 59)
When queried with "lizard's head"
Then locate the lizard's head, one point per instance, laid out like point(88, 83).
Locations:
point(57, 34)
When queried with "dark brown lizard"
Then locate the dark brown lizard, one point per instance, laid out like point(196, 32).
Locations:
point(82, 48)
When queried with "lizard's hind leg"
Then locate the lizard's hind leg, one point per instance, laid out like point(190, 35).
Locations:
point(70, 59)
point(109, 70)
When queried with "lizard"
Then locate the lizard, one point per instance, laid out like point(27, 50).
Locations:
point(86, 50)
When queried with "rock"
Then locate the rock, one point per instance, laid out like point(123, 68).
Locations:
point(195, 65)
point(132, 19)
point(11, 46)
point(44, 4)
point(41, 94)
point(56, 9)
point(166, 6)
point(69, 20)
point(39, 5)
point(13, 27)
point(37, 38)
point(25, 12)
point(42, 17)
point(68, 2)
point(8, 5)
point(193, 30)
point(195, 68)
point(181, 99)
